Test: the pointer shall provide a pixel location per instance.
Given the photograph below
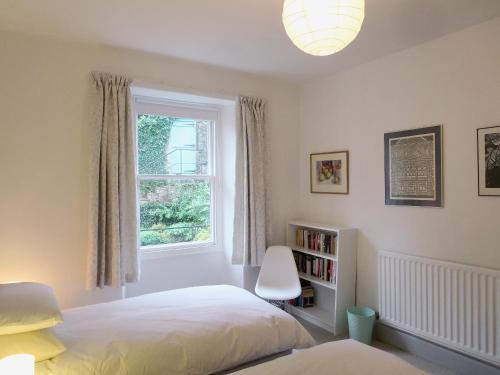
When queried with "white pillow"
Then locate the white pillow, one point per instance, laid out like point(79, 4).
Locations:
point(27, 307)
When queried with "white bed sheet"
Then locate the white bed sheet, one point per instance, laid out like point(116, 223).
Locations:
point(198, 330)
point(344, 357)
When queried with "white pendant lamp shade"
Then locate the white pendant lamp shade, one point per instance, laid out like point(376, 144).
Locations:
point(323, 27)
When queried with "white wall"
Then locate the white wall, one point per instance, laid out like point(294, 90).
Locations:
point(454, 81)
point(44, 104)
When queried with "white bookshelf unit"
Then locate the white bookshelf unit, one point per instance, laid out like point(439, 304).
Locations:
point(331, 300)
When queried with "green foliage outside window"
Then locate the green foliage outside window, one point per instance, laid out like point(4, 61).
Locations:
point(170, 211)
point(153, 136)
point(184, 217)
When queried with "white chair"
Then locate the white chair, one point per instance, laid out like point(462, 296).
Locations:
point(278, 278)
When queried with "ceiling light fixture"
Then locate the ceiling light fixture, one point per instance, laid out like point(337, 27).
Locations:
point(323, 27)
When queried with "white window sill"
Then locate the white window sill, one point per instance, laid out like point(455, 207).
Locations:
point(156, 252)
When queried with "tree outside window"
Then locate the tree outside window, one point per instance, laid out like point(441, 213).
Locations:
point(174, 181)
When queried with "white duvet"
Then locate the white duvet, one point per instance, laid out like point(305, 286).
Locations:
point(198, 330)
point(345, 357)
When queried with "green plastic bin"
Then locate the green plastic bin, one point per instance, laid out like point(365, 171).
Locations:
point(361, 321)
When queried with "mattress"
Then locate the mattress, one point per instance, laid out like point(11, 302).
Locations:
point(200, 330)
point(346, 357)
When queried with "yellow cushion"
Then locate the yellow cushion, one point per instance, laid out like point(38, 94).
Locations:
point(42, 344)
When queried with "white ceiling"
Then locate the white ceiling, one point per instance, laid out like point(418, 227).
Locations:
point(243, 35)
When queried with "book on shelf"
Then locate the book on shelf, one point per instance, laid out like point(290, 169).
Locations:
point(312, 240)
point(306, 298)
point(323, 269)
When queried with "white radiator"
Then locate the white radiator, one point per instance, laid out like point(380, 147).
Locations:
point(455, 305)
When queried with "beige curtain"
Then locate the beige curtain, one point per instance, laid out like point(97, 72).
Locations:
point(113, 256)
point(249, 239)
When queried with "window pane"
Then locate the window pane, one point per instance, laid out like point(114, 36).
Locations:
point(174, 211)
point(169, 145)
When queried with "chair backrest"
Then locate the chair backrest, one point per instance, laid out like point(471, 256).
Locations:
point(278, 277)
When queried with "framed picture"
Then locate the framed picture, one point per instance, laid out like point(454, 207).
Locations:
point(413, 169)
point(330, 172)
point(488, 161)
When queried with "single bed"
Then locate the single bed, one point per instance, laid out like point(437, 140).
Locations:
point(344, 357)
point(200, 330)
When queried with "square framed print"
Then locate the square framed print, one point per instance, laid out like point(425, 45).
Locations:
point(413, 169)
point(330, 172)
point(488, 161)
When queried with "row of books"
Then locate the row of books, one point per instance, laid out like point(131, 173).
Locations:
point(324, 269)
point(306, 298)
point(316, 241)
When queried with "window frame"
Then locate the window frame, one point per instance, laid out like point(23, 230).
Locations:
point(195, 111)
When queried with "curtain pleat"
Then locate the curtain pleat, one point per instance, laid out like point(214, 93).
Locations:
point(113, 255)
point(250, 221)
